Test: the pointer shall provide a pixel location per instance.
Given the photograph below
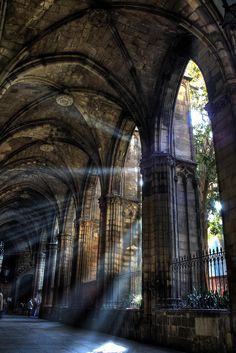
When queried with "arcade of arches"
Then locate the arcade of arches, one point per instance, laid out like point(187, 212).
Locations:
point(98, 178)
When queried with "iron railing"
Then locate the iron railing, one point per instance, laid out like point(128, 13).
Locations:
point(200, 280)
point(125, 291)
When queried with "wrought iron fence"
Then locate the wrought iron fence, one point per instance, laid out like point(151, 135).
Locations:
point(125, 291)
point(200, 280)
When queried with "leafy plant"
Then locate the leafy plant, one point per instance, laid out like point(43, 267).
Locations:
point(205, 300)
point(205, 157)
point(132, 301)
point(137, 300)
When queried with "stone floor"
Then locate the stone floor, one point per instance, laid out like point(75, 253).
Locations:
point(19, 334)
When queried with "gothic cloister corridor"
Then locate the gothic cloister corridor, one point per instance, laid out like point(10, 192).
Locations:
point(102, 224)
point(20, 334)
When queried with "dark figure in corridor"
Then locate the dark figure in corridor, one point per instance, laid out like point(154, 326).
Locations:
point(1, 303)
point(29, 307)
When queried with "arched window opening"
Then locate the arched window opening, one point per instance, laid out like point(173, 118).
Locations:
point(127, 289)
point(8, 262)
point(88, 244)
point(210, 206)
point(198, 269)
point(132, 223)
point(89, 231)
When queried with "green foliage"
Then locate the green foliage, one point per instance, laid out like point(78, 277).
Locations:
point(137, 300)
point(198, 90)
point(205, 155)
point(206, 164)
point(132, 301)
point(206, 300)
point(215, 228)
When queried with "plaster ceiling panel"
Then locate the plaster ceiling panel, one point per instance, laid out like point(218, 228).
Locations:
point(76, 161)
point(47, 13)
point(41, 157)
point(24, 20)
point(61, 162)
point(147, 39)
point(18, 96)
point(65, 123)
point(196, 13)
point(69, 75)
point(48, 111)
point(18, 140)
point(161, 3)
point(102, 118)
point(32, 185)
point(92, 39)
point(33, 180)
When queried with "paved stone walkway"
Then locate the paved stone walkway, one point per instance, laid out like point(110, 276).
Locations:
point(19, 334)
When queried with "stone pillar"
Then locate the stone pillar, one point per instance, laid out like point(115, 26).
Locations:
point(110, 246)
point(229, 24)
point(75, 257)
point(188, 230)
point(49, 277)
point(189, 239)
point(1, 254)
point(64, 262)
point(131, 252)
point(82, 264)
point(39, 272)
point(158, 231)
point(222, 112)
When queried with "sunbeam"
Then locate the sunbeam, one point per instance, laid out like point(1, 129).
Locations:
point(110, 347)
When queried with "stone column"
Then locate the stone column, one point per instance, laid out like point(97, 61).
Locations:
point(49, 277)
point(229, 24)
point(64, 262)
point(82, 264)
point(39, 272)
point(75, 257)
point(158, 231)
point(1, 254)
point(110, 246)
point(131, 252)
point(222, 112)
point(189, 237)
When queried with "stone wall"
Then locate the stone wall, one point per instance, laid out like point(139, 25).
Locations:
point(194, 331)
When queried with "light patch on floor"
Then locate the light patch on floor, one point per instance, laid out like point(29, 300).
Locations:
point(110, 347)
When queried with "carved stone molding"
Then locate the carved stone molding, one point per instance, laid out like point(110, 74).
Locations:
point(25, 268)
point(65, 236)
point(64, 99)
point(110, 198)
point(99, 17)
point(185, 170)
point(3, 9)
point(94, 106)
point(217, 105)
point(52, 245)
point(157, 159)
point(230, 17)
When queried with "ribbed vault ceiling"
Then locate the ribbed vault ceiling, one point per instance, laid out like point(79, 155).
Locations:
point(107, 55)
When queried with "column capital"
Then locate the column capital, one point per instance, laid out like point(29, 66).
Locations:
point(41, 254)
point(64, 236)
point(157, 158)
point(111, 198)
point(186, 169)
point(217, 104)
point(52, 245)
point(80, 220)
point(230, 17)
point(1, 248)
